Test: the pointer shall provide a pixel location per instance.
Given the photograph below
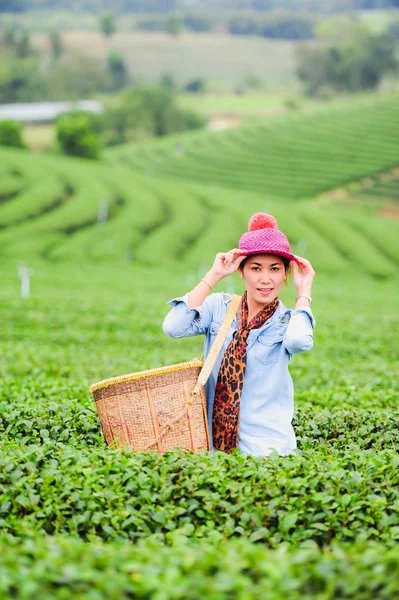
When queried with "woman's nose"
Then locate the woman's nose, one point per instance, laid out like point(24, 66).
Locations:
point(265, 279)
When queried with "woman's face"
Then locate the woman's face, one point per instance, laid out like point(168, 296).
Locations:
point(264, 275)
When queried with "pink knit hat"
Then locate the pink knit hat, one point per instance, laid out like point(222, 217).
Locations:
point(263, 236)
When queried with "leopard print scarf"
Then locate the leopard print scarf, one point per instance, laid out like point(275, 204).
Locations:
point(226, 408)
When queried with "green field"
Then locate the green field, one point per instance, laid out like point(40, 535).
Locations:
point(221, 59)
point(84, 521)
point(250, 104)
point(333, 506)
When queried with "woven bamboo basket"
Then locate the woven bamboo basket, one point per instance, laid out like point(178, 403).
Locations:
point(154, 409)
point(161, 408)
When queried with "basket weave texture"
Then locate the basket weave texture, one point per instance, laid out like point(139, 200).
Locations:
point(154, 409)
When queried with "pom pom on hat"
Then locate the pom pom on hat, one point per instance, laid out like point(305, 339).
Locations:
point(262, 220)
point(264, 237)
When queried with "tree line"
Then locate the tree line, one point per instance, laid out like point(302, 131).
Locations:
point(163, 6)
point(347, 58)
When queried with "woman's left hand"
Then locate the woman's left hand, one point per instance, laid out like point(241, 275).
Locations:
point(302, 280)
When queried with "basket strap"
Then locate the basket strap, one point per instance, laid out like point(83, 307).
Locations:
point(216, 346)
point(208, 365)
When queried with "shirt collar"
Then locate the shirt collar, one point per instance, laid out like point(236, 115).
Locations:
point(281, 313)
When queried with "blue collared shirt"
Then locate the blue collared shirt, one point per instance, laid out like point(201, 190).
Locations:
point(267, 398)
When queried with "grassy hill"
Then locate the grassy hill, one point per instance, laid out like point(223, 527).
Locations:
point(52, 208)
point(293, 157)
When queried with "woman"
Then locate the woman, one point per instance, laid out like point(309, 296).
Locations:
point(250, 395)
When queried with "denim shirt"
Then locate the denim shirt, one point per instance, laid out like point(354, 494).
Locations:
point(267, 398)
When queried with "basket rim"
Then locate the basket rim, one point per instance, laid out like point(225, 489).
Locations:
point(99, 385)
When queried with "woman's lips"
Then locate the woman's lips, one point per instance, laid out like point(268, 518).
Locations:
point(264, 290)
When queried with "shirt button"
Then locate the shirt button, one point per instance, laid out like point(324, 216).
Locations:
point(270, 342)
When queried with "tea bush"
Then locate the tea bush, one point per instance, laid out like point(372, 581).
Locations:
point(319, 495)
point(50, 566)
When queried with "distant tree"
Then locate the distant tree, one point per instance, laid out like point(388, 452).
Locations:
point(277, 24)
point(153, 107)
point(21, 81)
point(11, 134)
point(22, 45)
point(198, 23)
point(174, 25)
point(56, 44)
point(14, 5)
point(9, 38)
point(393, 30)
point(146, 111)
point(76, 137)
point(108, 25)
point(252, 82)
point(352, 66)
point(168, 81)
point(118, 71)
point(287, 26)
point(195, 86)
point(72, 79)
point(313, 68)
point(243, 26)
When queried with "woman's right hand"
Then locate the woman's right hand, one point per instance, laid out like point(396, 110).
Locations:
point(227, 263)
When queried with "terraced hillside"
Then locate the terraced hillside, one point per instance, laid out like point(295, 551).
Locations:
point(291, 157)
point(386, 187)
point(65, 209)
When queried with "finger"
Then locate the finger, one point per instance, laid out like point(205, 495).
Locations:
point(238, 261)
point(302, 260)
point(306, 266)
point(236, 251)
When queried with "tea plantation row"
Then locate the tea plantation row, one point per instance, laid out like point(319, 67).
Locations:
point(84, 212)
point(319, 495)
point(57, 476)
point(294, 157)
point(58, 568)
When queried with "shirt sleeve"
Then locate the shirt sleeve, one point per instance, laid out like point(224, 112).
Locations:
point(183, 321)
point(299, 333)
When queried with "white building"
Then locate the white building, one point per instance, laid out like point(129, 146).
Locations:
point(46, 112)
